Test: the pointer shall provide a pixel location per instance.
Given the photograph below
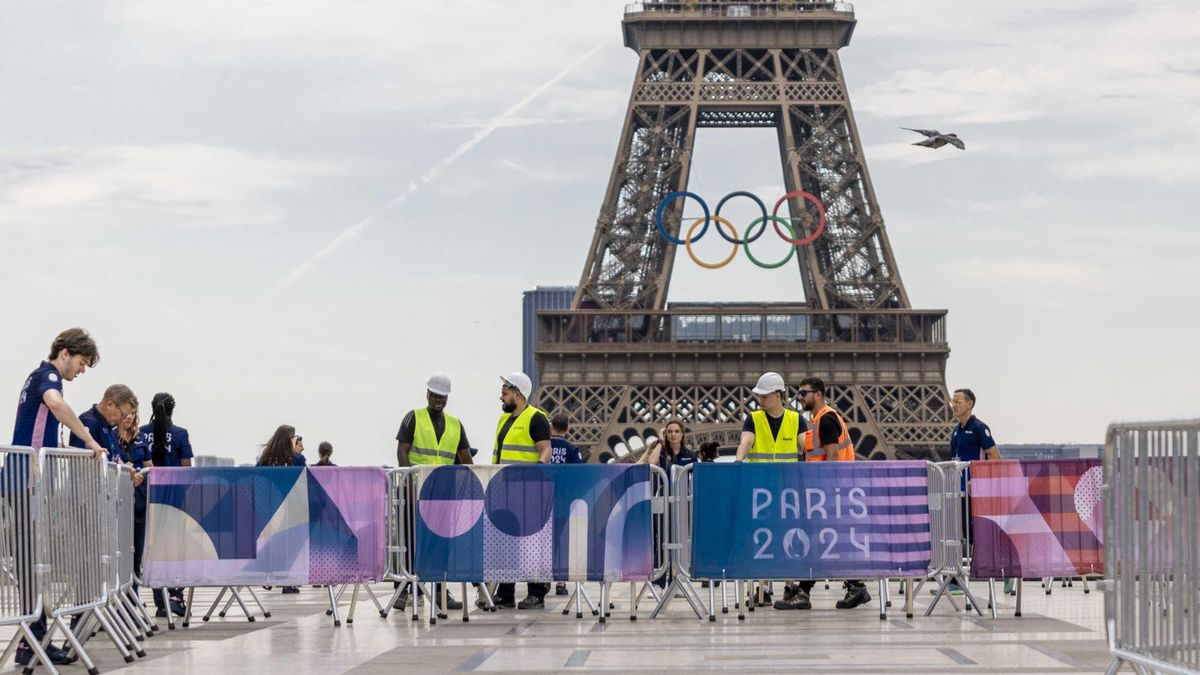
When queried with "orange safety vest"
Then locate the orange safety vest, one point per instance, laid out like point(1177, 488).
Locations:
point(845, 448)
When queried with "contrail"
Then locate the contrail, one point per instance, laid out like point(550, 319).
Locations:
point(427, 177)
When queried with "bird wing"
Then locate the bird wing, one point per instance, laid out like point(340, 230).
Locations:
point(931, 142)
point(957, 142)
point(926, 132)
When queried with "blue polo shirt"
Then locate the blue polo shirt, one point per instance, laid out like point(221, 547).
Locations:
point(563, 451)
point(298, 459)
point(100, 430)
point(134, 452)
point(179, 447)
point(36, 426)
point(969, 442)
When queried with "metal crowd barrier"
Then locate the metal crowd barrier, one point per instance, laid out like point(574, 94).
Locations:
point(950, 535)
point(1152, 545)
point(682, 504)
point(20, 571)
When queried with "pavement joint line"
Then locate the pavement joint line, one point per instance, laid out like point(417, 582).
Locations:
point(578, 658)
point(477, 659)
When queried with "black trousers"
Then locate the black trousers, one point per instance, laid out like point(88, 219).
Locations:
point(807, 585)
point(509, 591)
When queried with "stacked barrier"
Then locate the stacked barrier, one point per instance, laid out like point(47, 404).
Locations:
point(1152, 545)
point(20, 529)
point(950, 513)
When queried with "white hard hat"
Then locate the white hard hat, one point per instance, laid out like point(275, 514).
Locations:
point(768, 383)
point(438, 383)
point(519, 380)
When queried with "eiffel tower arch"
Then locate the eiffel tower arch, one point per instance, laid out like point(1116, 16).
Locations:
point(621, 361)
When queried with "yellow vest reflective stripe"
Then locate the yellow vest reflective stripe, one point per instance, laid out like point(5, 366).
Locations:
point(845, 448)
point(517, 446)
point(427, 448)
point(782, 448)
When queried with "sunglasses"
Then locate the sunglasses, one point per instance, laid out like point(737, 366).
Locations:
point(805, 392)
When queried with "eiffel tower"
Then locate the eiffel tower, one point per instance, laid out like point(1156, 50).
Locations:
point(621, 361)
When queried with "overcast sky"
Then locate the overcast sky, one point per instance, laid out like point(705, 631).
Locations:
point(293, 212)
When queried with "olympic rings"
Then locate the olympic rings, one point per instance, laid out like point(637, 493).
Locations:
point(692, 254)
point(820, 210)
point(658, 216)
point(763, 221)
point(750, 235)
point(761, 207)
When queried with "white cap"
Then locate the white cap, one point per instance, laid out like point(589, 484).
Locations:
point(768, 383)
point(521, 381)
point(438, 383)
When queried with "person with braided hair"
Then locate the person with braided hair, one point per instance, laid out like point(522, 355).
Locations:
point(168, 446)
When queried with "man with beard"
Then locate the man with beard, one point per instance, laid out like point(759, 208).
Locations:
point(522, 437)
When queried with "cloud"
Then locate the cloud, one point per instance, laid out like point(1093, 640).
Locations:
point(179, 184)
point(1021, 272)
point(960, 95)
point(540, 176)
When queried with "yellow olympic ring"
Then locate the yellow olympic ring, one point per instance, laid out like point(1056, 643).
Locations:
point(692, 254)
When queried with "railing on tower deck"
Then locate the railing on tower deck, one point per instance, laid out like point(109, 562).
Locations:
point(763, 325)
point(737, 8)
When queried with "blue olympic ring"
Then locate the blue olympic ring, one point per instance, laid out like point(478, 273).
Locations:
point(745, 239)
point(658, 216)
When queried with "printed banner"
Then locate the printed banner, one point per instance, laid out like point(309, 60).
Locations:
point(810, 520)
point(265, 526)
point(1036, 518)
point(521, 522)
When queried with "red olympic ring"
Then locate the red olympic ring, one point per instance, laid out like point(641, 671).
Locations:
point(820, 211)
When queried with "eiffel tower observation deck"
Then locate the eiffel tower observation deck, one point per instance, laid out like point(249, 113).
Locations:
point(622, 361)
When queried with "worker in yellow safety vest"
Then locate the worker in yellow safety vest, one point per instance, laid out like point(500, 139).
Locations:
point(522, 437)
point(430, 435)
point(772, 433)
point(831, 443)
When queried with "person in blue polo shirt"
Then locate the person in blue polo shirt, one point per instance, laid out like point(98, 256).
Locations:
point(169, 446)
point(117, 403)
point(971, 439)
point(562, 451)
point(40, 411)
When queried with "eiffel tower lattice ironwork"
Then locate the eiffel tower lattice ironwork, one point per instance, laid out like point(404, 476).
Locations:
point(620, 362)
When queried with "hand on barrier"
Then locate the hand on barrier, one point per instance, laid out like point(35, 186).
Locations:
point(137, 476)
point(98, 453)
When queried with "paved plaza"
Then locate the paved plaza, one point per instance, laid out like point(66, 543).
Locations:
point(1063, 632)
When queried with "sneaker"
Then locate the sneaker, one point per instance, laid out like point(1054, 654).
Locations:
point(291, 589)
point(794, 598)
point(560, 589)
point(401, 602)
point(451, 603)
point(57, 656)
point(954, 589)
point(178, 609)
point(532, 602)
point(766, 599)
point(855, 596)
point(161, 613)
point(1010, 586)
point(504, 603)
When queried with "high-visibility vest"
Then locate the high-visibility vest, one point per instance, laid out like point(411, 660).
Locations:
point(782, 448)
point(427, 448)
point(517, 446)
point(813, 452)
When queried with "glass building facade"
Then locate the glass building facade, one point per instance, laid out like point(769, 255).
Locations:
point(541, 297)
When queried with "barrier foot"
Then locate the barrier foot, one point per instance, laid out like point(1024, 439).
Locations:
point(992, 596)
point(884, 604)
point(333, 608)
point(603, 601)
point(908, 597)
point(724, 594)
point(261, 607)
point(465, 604)
point(74, 642)
point(1020, 585)
point(39, 654)
point(187, 610)
point(737, 597)
point(712, 601)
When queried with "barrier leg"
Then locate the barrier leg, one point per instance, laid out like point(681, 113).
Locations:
point(737, 600)
point(433, 609)
point(724, 595)
point(1048, 583)
point(443, 600)
point(379, 607)
point(633, 600)
point(213, 606)
point(1086, 590)
point(39, 654)
point(115, 634)
point(353, 602)
point(908, 599)
point(166, 598)
point(487, 597)
point(237, 596)
point(337, 620)
point(604, 601)
point(712, 601)
point(128, 625)
point(882, 595)
point(254, 596)
point(413, 597)
point(132, 624)
point(887, 592)
point(228, 604)
point(573, 598)
point(465, 604)
point(187, 608)
point(74, 642)
point(392, 600)
point(587, 598)
point(1020, 584)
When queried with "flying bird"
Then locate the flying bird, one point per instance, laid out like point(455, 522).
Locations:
point(936, 139)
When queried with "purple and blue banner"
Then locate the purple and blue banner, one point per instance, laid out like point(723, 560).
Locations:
point(810, 520)
point(529, 522)
point(265, 526)
point(1037, 518)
